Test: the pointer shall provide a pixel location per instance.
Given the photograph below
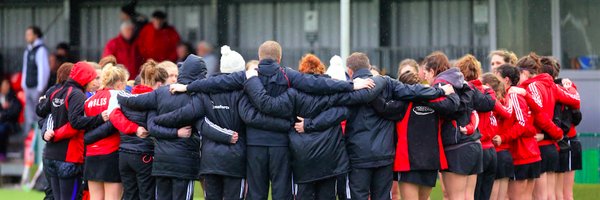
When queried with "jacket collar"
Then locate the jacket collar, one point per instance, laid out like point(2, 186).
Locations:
point(268, 67)
point(36, 43)
point(362, 73)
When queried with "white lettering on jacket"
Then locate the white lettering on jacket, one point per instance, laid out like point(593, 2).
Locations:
point(220, 107)
point(423, 110)
point(56, 102)
point(97, 102)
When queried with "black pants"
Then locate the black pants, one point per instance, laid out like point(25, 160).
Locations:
point(317, 190)
point(342, 186)
point(218, 187)
point(374, 181)
point(269, 164)
point(64, 178)
point(485, 180)
point(136, 176)
point(168, 188)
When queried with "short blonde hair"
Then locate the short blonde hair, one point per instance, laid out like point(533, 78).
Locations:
point(112, 74)
point(270, 50)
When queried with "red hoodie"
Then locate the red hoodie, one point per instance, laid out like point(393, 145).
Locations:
point(485, 118)
point(104, 99)
point(120, 121)
point(159, 45)
point(544, 95)
point(126, 53)
point(519, 132)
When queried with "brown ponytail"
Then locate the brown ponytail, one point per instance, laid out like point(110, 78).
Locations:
point(493, 81)
point(530, 63)
point(152, 74)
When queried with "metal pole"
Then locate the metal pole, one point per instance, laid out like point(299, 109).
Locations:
point(345, 30)
point(555, 21)
point(492, 25)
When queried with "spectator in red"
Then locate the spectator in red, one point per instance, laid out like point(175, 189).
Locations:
point(124, 49)
point(158, 40)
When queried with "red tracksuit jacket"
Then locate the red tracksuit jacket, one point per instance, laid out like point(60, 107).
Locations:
point(519, 132)
point(544, 95)
point(104, 99)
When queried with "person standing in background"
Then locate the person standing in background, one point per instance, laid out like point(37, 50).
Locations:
point(36, 72)
point(204, 50)
point(128, 13)
point(10, 107)
point(184, 49)
point(158, 40)
point(124, 49)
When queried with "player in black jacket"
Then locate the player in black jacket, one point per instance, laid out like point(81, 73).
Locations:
point(371, 138)
point(419, 150)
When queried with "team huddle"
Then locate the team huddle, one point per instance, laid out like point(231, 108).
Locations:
point(346, 132)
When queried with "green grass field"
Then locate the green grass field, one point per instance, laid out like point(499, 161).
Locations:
point(581, 192)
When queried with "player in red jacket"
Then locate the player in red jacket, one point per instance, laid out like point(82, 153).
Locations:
point(102, 143)
point(504, 165)
point(518, 131)
point(158, 40)
point(544, 95)
point(123, 48)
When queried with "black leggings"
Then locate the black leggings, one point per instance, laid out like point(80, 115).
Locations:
point(65, 189)
point(64, 179)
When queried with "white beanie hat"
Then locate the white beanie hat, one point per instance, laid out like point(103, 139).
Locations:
point(336, 69)
point(231, 61)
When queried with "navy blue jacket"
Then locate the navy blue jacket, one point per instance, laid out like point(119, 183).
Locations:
point(173, 156)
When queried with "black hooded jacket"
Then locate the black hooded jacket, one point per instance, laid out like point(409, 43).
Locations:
point(276, 80)
point(173, 156)
point(319, 152)
point(470, 100)
point(218, 116)
point(370, 138)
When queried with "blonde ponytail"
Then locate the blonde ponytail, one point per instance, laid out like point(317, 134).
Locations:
point(112, 74)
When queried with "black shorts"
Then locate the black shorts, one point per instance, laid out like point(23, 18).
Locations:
point(102, 168)
point(570, 160)
point(527, 171)
point(466, 159)
point(505, 167)
point(419, 177)
point(549, 156)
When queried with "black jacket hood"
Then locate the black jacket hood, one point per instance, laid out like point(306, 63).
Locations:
point(193, 68)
